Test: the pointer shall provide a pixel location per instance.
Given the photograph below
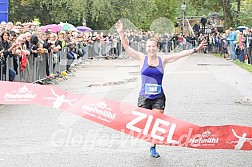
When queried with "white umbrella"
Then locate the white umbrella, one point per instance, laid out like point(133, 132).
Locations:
point(241, 28)
point(67, 27)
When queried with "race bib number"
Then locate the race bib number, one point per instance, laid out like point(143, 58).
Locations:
point(152, 88)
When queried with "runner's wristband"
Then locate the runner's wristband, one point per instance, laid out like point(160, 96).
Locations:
point(195, 50)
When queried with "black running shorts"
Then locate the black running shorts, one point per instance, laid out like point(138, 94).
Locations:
point(158, 103)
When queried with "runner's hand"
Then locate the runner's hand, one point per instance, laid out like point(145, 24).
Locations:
point(202, 45)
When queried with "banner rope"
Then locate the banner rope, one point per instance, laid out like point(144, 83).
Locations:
point(141, 123)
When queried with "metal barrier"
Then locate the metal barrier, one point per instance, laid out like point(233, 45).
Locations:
point(46, 67)
point(4, 71)
point(7, 69)
point(1, 72)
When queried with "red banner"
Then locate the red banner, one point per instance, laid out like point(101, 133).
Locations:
point(138, 122)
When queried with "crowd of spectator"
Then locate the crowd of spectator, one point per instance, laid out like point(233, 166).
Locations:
point(22, 40)
point(231, 43)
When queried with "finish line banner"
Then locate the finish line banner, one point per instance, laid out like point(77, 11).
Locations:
point(141, 123)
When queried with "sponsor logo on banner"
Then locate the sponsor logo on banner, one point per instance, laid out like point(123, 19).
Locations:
point(206, 138)
point(153, 127)
point(156, 132)
point(241, 140)
point(59, 100)
point(22, 94)
point(100, 111)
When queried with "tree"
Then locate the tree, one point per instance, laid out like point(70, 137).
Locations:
point(228, 8)
point(226, 5)
point(245, 13)
point(100, 14)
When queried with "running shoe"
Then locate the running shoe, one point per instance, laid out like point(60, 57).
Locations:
point(153, 152)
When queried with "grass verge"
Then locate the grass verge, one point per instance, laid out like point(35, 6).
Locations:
point(237, 62)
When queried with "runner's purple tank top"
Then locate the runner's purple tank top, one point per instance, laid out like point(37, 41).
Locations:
point(152, 78)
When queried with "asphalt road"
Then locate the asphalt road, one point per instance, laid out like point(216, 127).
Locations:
point(200, 89)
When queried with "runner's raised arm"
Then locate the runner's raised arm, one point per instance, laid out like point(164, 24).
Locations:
point(130, 51)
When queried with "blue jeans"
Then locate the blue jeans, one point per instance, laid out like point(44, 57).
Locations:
point(12, 74)
point(249, 55)
point(169, 46)
point(232, 47)
point(241, 55)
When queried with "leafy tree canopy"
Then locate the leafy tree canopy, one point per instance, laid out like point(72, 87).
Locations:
point(100, 14)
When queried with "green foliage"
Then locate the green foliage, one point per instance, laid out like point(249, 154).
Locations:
point(244, 65)
point(245, 13)
point(237, 62)
point(127, 25)
point(162, 25)
point(166, 8)
point(100, 14)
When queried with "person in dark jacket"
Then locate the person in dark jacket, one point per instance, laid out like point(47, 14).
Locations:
point(203, 21)
point(5, 52)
